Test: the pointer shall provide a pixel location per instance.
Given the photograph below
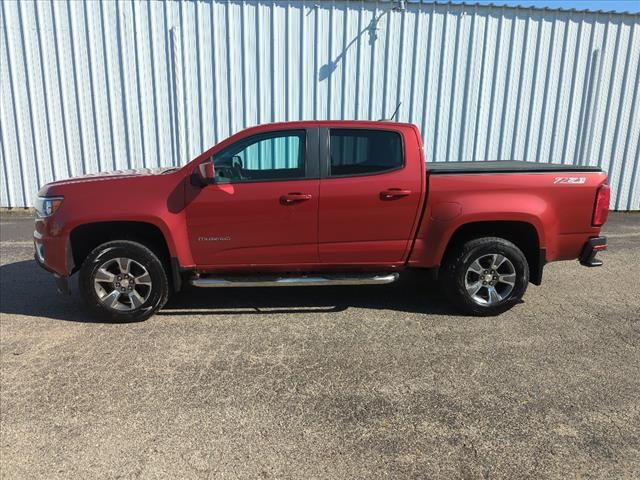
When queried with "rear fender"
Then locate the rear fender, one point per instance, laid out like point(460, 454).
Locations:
point(443, 219)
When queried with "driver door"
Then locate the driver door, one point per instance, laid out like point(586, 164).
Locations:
point(263, 207)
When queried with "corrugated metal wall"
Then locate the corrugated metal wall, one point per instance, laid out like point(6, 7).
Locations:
point(89, 86)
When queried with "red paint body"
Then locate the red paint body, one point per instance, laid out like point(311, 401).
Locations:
point(389, 221)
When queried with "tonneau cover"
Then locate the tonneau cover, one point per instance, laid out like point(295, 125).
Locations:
point(504, 166)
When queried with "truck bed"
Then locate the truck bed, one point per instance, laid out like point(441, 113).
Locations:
point(504, 166)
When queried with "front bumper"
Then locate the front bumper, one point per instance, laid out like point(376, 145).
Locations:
point(52, 254)
point(591, 248)
point(62, 283)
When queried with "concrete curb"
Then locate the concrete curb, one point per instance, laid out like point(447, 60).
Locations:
point(17, 212)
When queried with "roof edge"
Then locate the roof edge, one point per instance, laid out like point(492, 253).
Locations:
point(516, 7)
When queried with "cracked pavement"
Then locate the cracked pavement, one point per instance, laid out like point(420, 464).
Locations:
point(349, 382)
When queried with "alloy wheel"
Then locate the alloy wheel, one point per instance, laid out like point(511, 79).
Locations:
point(490, 279)
point(122, 284)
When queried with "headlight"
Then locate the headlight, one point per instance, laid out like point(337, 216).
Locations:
point(47, 206)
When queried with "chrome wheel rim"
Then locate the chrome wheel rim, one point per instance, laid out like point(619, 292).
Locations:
point(490, 279)
point(122, 284)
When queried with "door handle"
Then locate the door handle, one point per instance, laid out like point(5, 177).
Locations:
point(296, 197)
point(394, 193)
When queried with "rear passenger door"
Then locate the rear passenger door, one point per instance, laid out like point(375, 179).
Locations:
point(369, 199)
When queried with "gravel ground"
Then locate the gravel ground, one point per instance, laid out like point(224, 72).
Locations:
point(351, 382)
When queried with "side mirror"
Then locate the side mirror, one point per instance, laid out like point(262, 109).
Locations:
point(206, 173)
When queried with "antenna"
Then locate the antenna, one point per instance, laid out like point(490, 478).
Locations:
point(395, 112)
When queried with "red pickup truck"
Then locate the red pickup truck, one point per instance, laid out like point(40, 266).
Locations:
point(318, 203)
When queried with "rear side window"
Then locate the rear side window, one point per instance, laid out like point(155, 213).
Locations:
point(363, 152)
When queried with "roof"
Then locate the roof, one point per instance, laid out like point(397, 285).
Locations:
point(514, 7)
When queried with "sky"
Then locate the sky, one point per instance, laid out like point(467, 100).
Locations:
point(607, 5)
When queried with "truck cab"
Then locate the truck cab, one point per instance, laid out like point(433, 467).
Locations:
point(318, 197)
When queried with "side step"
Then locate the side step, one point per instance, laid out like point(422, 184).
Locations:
point(214, 281)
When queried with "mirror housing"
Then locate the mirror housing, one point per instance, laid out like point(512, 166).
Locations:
point(206, 173)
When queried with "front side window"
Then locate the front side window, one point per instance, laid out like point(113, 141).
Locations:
point(364, 152)
point(263, 157)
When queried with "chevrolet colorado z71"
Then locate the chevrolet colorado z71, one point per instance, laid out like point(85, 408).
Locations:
point(318, 203)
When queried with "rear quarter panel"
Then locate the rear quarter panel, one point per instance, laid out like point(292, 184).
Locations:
point(561, 213)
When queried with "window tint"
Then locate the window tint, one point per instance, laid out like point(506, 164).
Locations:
point(362, 152)
point(269, 156)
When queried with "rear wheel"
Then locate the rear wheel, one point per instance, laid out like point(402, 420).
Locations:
point(123, 281)
point(486, 276)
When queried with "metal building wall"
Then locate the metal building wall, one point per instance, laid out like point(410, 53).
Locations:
point(89, 86)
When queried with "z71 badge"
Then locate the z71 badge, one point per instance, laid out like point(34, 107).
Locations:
point(573, 180)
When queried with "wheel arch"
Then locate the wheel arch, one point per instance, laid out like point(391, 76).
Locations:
point(86, 237)
point(523, 234)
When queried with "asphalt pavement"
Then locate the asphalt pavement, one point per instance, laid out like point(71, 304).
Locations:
point(333, 383)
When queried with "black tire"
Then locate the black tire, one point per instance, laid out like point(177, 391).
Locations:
point(153, 299)
point(457, 275)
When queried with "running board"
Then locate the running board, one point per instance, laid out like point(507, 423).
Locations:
point(292, 281)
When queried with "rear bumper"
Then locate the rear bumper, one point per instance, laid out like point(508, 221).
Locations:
point(591, 248)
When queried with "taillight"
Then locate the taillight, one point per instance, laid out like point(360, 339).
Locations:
point(601, 209)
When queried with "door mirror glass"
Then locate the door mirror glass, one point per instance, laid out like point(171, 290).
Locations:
point(206, 173)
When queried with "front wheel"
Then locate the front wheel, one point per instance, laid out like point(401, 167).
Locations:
point(486, 276)
point(123, 281)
